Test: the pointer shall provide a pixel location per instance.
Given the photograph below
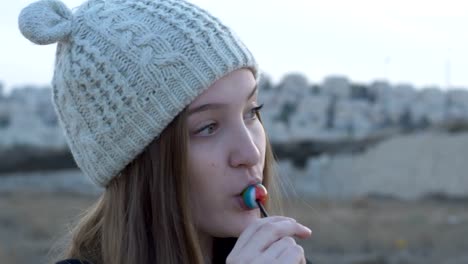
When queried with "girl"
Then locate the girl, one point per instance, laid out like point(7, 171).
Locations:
point(158, 102)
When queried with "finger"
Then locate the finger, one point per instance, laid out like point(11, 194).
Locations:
point(270, 232)
point(304, 235)
point(293, 254)
point(247, 234)
point(278, 247)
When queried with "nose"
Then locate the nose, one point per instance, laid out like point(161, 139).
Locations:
point(244, 151)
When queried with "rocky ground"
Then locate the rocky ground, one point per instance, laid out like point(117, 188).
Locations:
point(375, 230)
point(367, 230)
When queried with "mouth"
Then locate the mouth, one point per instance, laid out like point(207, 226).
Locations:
point(241, 203)
point(245, 187)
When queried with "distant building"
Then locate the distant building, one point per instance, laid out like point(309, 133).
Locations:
point(27, 117)
point(457, 104)
point(293, 110)
point(337, 86)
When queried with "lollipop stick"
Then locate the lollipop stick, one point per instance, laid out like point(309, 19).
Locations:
point(262, 209)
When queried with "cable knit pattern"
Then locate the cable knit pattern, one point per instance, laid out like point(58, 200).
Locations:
point(125, 68)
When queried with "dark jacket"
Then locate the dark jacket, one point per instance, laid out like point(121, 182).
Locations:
point(221, 249)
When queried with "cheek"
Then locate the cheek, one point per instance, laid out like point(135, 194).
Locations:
point(203, 165)
point(202, 158)
point(259, 137)
point(205, 185)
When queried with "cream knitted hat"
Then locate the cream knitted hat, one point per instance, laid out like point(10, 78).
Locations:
point(124, 69)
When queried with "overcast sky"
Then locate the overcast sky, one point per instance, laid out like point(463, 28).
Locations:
point(421, 42)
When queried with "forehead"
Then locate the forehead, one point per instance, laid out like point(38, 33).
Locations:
point(234, 86)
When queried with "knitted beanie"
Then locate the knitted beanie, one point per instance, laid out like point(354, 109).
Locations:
point(124, 69)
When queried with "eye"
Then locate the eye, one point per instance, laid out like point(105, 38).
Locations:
point(207, 130)
point(253, 113)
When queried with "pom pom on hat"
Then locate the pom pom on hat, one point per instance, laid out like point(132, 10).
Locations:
point(45, 22)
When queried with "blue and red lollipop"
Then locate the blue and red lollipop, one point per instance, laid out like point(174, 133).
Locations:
point(255, 196)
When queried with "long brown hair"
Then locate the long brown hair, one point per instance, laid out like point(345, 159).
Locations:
point(143, 216)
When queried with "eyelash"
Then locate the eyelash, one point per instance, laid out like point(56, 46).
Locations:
point(255, 110)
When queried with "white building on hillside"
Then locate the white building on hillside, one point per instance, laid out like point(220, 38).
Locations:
point(336, 86)
point(29, 119)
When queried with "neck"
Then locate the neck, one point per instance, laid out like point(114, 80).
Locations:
point(206, 245)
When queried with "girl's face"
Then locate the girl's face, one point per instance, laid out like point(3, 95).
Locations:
point(226, 153)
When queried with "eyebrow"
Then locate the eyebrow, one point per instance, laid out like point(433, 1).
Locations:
point(205, 107)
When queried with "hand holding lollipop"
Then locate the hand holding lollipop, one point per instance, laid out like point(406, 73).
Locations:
point(268, 238)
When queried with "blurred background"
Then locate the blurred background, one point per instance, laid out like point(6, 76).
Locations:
point(366, 105)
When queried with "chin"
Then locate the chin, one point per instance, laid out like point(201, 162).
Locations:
point(240, 223)
point(233, 225)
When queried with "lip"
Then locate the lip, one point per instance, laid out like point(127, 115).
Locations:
point(251, 182)
point(241, 203)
